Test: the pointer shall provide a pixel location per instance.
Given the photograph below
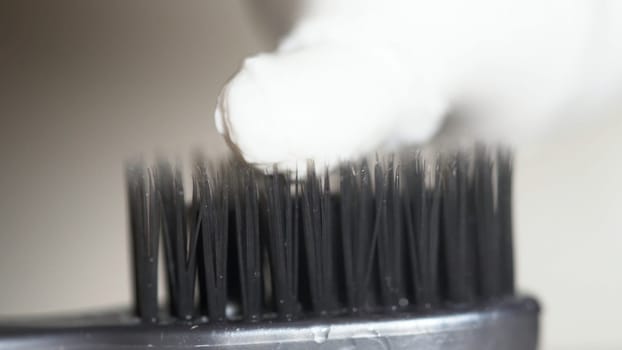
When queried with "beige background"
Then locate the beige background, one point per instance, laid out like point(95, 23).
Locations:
point(85, 84)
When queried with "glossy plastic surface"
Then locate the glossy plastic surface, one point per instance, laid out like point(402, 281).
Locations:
point(509, 325)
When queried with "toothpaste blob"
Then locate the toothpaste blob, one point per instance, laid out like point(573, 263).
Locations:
point(316, 104)
point(354, 76)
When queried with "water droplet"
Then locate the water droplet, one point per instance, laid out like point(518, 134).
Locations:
point(371, 339)
point(320, 334)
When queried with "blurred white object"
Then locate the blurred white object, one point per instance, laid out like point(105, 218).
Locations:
point(356, 75)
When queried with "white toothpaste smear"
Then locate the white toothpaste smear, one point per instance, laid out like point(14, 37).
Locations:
point(357, 75)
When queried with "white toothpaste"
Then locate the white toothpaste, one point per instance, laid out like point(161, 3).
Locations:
point(356, 75)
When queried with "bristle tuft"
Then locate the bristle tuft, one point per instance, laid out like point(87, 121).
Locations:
point(402, 234)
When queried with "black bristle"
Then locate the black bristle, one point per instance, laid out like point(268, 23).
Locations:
point(246, 207)
point(318, 240)
point(504, 220)
point(212, 198)
point(422, 210)
point(145, 232)
point(181, 232)
point(283, 210)
point(405, 234)
point(389, 242)
point(488, 238)
point(458, 253)
point(357, 224)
